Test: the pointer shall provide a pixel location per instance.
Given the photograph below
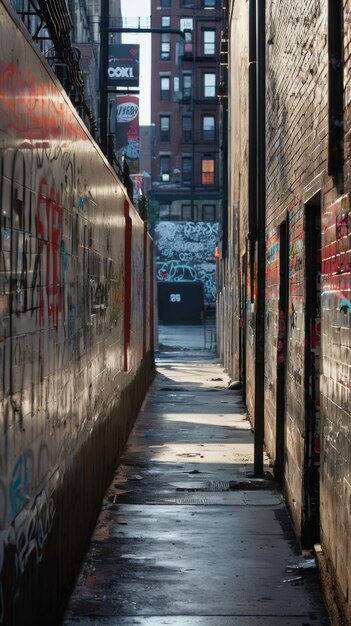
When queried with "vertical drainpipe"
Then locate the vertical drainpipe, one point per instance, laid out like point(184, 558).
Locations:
point(252, 164)
point(225, 178)
point(252, 157)
point(261, 240)
point(193, 100)
point(127, 283)
point(252, 167)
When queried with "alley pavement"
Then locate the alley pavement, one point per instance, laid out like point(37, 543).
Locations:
point(187, 536)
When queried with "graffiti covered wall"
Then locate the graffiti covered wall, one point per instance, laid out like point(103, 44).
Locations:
point(272, 321)
point(66, 398)
point(185, 251)
point(336, 387)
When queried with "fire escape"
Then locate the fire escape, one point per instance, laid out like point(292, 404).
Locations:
point(50, 24)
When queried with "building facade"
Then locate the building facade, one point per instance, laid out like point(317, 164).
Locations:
point(298, 91)
point(186, 179)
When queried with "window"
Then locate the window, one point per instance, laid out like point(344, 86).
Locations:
point(188, 42)
point(186, 212)
point(209, 4)
point(176, 211)
point(165, 21)
point(165, 168)
point(208, 41)
point(186, 3)
point(164, 128)
point(209, 212)
point(187, 86)
point(209, 85)
point(208, 128)
point(207, 171)
point(187, 169)
point(164, 211)
point(187, 129)
point(165, 46)
point(166, 4)
point(165, 85)
point(186, 25)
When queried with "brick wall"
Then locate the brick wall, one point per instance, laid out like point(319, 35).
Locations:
point(298, 182)
point(335, 390)
point(296, 102)
point(296, 162)
point(297, 125)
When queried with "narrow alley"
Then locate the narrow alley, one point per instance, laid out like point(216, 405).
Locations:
point(153, 473)
point(186, 534)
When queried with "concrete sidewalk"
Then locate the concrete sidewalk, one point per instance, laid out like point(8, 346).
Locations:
point(186, 535)
point(195, 339)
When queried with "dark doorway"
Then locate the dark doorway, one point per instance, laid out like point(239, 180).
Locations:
point(281, 350)
point(310, 512)
point(180, 302)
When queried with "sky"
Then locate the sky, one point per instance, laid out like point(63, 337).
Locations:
point(140, 8)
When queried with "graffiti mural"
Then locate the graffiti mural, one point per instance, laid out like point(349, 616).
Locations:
point(186, 251)
point(62, 303)
point(336, 258)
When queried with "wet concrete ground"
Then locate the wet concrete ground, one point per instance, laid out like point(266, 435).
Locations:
point(186, 535)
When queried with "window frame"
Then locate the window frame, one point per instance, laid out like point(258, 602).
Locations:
point(211, 43)
point(175, 214)
point(186, 24)
point(187, 133)
point(165, 49)
point(186, 208)
point(187, 173)
point(213, 210)
point(163, 210)
point(165, 134)
point(210, 137)
point(164, 92)
point(208, 176)
point(206, 87)
point(163, 19)
point(165, 159)
point(187, 91)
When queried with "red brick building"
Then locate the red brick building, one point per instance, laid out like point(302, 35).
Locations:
point(303, 166)
point(186, 179)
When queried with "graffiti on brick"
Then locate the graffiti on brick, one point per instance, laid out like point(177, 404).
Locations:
point(26, 536)
point(336, 258)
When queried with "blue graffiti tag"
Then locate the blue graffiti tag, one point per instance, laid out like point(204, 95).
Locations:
point(19, 488)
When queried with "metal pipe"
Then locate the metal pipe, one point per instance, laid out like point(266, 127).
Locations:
point(104, 22)
point(252, 159)
point(261, 239)
point(225, 169)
